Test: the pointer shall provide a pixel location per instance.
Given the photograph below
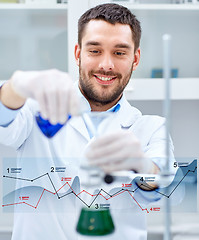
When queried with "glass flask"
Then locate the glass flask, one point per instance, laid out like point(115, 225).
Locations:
point(94, 221)
point(47, 128)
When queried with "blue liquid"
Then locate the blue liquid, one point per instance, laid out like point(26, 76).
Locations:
point(48, 129)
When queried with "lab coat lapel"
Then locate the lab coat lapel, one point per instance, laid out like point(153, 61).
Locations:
point(127, 115)
point(78, 124)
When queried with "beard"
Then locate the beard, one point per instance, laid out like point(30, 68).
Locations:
point(105, 96)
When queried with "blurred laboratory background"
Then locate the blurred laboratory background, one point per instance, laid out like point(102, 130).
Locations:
point(41, 34)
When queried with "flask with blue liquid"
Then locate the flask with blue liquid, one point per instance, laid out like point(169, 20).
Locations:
point(47, 128)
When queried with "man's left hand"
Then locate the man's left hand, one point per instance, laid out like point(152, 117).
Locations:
point(117, 151)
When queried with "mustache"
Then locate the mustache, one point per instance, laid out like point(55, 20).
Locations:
point(106, 73)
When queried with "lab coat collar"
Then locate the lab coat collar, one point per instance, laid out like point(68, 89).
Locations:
point(78, 124)
point(126, 116)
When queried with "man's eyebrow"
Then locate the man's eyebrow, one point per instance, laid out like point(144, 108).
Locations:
point(92, 43)
point(122, 45)
point(119, 45)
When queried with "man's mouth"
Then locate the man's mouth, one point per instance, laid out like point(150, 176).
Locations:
point(105, 79)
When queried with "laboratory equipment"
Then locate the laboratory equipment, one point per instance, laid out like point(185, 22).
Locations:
point(94, 221)
point(97, 221)
point(47, 128)
point(167, 106)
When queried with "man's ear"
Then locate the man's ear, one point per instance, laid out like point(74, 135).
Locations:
point(136, 59)
point(77, 53)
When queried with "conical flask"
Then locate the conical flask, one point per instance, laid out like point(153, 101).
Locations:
point(94, 221)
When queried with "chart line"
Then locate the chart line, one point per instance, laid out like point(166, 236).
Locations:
point(119, 192)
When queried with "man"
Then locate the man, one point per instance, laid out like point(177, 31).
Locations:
point(107, 52)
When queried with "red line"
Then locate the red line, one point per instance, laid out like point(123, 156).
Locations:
point(80, 192)
point(138, 203)
point(29, 205)
point(103, 196)
point(11, 204)
point(50, 191)
point(61, 187)
point(70, 187)
point(85, 192)
point(40, 198)
point(76, 195)
point(118, 194)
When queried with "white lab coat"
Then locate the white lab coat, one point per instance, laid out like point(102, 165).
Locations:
point(38, 154)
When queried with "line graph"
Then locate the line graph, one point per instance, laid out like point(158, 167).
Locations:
point(72, 192)
point(129, 190)
point(178, 184)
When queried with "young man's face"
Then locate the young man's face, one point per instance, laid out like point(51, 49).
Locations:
point(106, 60)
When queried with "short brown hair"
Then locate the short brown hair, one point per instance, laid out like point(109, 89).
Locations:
point(112, 13)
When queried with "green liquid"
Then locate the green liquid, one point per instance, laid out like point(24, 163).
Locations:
point(94, 222)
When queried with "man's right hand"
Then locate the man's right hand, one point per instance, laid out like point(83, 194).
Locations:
point(52, 89)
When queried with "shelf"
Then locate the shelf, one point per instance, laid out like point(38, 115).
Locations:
point(159, 6)
point(153, 89)
point(33, 6)
point(6, 229)
point(128, 5)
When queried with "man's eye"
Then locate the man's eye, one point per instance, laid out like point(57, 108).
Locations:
point(94, 51)
point(119, 53)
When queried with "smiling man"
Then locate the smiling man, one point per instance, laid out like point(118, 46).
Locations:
point(107, 52)
point(107, 63)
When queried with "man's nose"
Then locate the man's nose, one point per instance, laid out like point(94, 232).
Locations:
point(106, 62)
